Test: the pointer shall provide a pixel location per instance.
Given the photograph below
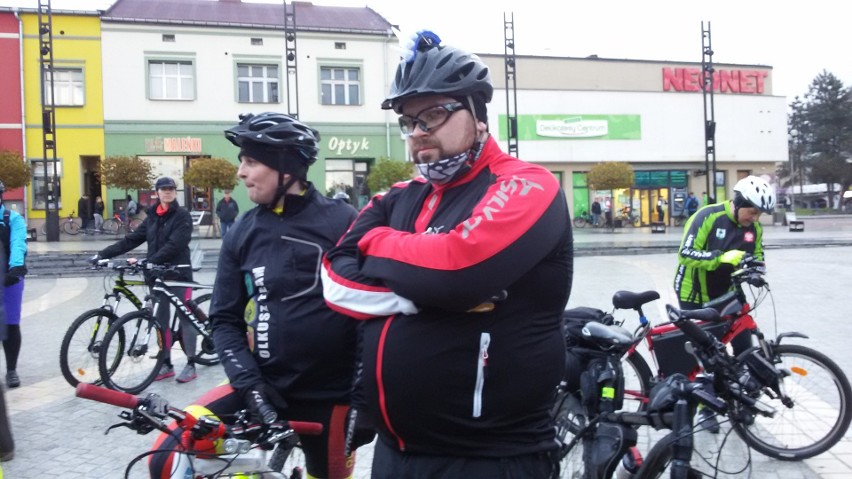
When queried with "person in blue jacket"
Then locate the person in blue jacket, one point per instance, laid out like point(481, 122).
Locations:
point(13, 234)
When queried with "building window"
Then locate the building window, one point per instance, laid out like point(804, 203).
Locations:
point(68, 88)
point(256, 41)
point(257, 83)
point(340, 45)
point(38, 189)
point(169, 37)
point(171, 80)
point(340, 86)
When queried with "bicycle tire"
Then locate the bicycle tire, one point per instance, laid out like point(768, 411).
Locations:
point(71, 227)
point(111, 226)
point(637, 384)
point(822, 386)
point(570, 421)
point(579, 222)
point(134, 224)
point(78, 354)
point(658, 459)
point(137, 358)
point(205, 352)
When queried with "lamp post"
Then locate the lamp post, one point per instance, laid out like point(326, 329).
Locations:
point(794, 160)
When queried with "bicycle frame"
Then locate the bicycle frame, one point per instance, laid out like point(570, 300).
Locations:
point(181, 308)
point(121, 289)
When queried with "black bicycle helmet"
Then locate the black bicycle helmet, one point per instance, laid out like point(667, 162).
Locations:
point(279, 141)
point(438, 70)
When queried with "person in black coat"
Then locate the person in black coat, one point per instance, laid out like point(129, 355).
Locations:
point(168, 230)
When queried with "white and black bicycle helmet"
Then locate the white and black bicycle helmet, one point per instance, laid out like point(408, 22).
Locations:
point(279, 141)
point(754, 192)
point(439, 70)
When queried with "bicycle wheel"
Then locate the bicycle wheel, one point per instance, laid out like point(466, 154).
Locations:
point(134, 223)
point(579, 222)
point(78, 355)
point(290, 461)
point(818, 412)
point(130, 359)
point(570, 420)
point(656, 463)
point(637, 382)
point(110, 226)
point(71, 227)
point(205, 353)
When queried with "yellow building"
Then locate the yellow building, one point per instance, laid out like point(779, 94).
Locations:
point(78, 97)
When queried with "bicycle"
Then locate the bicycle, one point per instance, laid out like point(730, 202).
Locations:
point(628, 218)
point(133, 348)
point(681, 219)
point(69, 226)
point(211, 447)
point(117, 223)
point(78, 354)
point(797, 371)
point(593, 446)
point(609, 380)
point(586, 218)
point(729, 389)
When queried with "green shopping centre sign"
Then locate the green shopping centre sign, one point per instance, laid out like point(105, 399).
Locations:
point(575, 127)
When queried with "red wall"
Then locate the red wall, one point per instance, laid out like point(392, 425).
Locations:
point(11, 137)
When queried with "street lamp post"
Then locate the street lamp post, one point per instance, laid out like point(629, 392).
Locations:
point(794, 160)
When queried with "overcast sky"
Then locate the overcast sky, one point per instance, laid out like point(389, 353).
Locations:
point(798, 39)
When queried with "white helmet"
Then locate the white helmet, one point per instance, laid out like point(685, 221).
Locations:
point(754, 192)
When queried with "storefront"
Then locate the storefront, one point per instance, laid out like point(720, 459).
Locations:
point(344, 161)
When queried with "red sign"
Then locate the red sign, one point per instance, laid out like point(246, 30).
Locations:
point(724, 81)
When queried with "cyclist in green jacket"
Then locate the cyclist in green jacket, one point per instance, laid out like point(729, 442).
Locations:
point(715, 240)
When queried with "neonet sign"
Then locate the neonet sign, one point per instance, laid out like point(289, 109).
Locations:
point(724, 81)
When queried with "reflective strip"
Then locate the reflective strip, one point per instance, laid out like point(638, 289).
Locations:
point(484, 341)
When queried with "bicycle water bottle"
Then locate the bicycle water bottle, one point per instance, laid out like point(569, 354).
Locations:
point(193, 306)
point(629, 464)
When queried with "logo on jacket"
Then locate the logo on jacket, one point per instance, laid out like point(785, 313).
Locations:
point(749, 237)
point(508, 189)
point(720, 233)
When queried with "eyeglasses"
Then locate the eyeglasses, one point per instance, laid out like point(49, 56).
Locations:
point(429, 119)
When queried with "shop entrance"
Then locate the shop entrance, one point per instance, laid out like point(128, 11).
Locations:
point(646, 201)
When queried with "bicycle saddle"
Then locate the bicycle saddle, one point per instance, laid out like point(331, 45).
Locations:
point(631, 300)
point(606, 336)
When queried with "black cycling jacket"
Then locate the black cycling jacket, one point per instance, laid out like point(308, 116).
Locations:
point(268, 284)
point(168, 238)
point(438, 377)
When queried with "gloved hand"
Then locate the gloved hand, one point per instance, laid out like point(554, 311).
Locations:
point(14, 275)
point(94, 259)
point(263, 402)
point(359, 431)
point(732, 257)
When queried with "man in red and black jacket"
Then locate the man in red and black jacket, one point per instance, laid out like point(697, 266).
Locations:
point(460, 277)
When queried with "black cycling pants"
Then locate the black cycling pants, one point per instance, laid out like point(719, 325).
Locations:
point(390, 463)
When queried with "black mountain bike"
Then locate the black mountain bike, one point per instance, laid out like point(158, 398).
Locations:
point(133, 348)
point(81, 345)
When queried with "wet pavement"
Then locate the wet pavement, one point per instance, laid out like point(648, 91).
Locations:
point(58, 435)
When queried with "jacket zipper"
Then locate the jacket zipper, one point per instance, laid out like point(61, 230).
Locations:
point(481, 363)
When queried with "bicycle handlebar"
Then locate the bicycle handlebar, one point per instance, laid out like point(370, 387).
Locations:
point(129, 401)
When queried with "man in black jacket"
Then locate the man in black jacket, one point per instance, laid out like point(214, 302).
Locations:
point(227, 210)
point(285, 352)
point(168, 230)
